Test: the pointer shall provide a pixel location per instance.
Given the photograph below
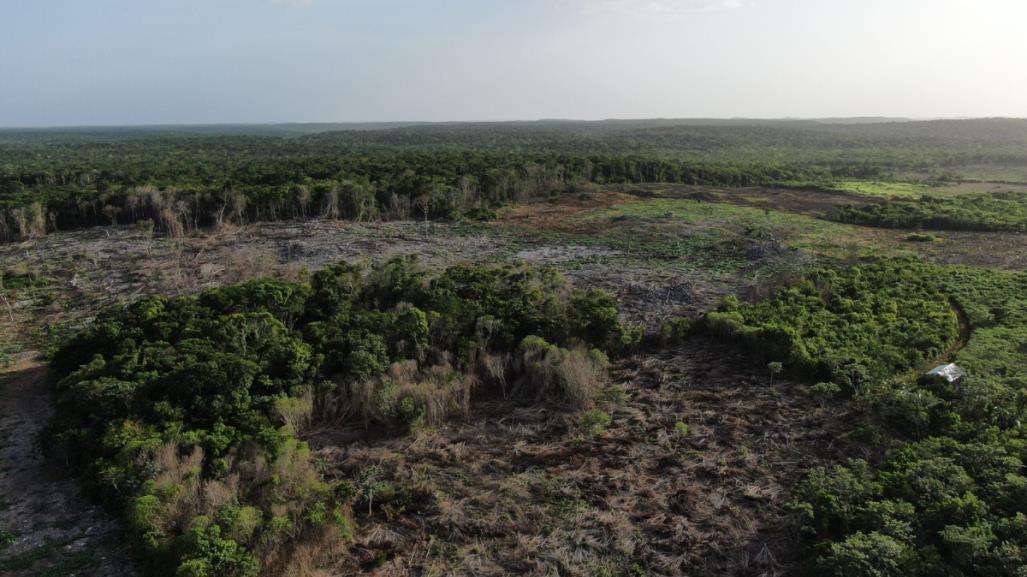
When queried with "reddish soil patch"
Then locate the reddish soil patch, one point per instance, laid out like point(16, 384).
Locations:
point(531, 490)
point(558, 215)
point(781, 199)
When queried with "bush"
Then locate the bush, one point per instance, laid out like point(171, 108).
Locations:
point(595, 421)
point(1005, 211)
point(576, 376)
point(922, 237)
point(682, 429)
point(825, 391)
point(407, 399)
point(185, 411)
point(875, 319)
point(675, 331)
point(865, 555)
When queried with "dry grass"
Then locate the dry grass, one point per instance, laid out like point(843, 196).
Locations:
point(519, 489)
point(575, 376)
point(296, 412)
point(408, 398)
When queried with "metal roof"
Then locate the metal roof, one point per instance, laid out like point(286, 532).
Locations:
point(950, 372)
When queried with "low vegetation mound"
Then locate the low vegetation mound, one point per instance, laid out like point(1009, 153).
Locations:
point(186, 412)
point(999, 211)
point(851, 325)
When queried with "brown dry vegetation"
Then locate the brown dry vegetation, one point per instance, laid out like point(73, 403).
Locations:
point(557, 215)
point(534, 490)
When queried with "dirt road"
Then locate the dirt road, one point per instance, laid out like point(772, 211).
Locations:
point(46, 526)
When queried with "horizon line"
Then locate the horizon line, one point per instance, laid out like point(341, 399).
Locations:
point(827, 119)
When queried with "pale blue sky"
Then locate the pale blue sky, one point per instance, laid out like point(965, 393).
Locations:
point(71, 62)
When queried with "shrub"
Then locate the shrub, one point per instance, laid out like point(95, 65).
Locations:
point(595, 421)
point(576, 376)
point(921, 237)
point(865, 555)
point(825, 391)
point(990, 212)
point(876, 318)
point(682, 429)
point(295, 412)
point(675, 330)
point(406, 398)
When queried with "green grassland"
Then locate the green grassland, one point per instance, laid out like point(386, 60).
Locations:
point(719, 239)
point(881, 188)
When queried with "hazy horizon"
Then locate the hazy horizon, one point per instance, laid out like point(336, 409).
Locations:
point(404, 123)
point(204, 62)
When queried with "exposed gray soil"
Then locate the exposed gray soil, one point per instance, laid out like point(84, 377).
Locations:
point(52, 529)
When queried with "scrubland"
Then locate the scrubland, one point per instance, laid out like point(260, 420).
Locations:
point(629, 378)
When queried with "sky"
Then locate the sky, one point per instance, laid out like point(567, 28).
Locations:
point(115, 62)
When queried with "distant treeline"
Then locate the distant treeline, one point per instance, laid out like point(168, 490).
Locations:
point(183, 177)
point(998, 211)
point(364, 186)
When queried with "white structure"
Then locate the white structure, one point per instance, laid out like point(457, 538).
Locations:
point(951, 372)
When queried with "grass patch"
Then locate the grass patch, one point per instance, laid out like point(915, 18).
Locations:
point(716, 237)
point(882, 189)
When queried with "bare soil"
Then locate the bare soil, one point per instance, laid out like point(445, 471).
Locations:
point(53, 529)
point(531, 490)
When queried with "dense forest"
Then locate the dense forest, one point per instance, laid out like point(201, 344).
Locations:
point(183, 178)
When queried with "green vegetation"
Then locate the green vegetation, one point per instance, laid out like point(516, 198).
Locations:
point(714, 237)
point(848, 325)
point(881, 189)
point(185, 411)
point(183, 179)
point(998, 211)
point(949, 498)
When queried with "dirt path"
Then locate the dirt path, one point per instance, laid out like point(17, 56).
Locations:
point(46, 527)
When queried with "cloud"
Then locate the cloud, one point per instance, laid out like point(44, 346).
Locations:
point(294, 3)
point(665, 7)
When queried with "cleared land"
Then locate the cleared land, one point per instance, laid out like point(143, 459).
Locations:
point(688, 476)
